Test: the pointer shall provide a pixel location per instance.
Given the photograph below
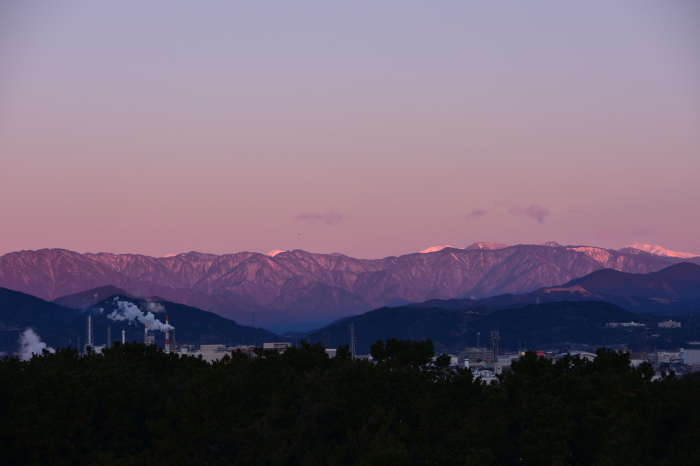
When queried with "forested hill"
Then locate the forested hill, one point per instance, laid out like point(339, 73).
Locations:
point(543, 325)
point(137, 405)
point(59, 326)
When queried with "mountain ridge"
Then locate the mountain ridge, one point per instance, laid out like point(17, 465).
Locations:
point(288, 288)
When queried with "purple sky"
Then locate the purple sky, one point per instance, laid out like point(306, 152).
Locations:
point(367, 128)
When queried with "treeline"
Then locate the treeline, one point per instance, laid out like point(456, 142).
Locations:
point(135, 404)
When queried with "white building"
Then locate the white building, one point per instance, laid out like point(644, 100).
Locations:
point(280, 347)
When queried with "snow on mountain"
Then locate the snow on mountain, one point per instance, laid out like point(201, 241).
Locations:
point(435, 249)
point(659, 251)
point(598, 254)
point(274, 253)
point(478, 245)
point(300, 285)
point(487, 246)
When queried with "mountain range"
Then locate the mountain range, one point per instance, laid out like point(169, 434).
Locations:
point(576, 311)
point(299, 288)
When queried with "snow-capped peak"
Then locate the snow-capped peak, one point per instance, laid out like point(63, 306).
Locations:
point(435, 249)
point(659, 251)
point(274, 253)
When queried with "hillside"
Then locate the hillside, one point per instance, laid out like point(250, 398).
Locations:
point(532, 326)
point(60, 326)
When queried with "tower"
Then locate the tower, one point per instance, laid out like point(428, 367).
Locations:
point(352, 340)
point(89, 341)
point(495, 336)
point(148, 338)
point(109, 336)
point(167, 335)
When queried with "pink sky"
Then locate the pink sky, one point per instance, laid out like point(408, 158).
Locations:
point(367, 128)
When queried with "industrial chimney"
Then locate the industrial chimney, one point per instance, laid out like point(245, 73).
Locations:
point(89, 340)
point(167, 335)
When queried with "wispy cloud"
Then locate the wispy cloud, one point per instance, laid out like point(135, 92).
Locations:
point(477, 214)
point(643, 232)
point(534, 211)
point(607, 233)
point(331, 217)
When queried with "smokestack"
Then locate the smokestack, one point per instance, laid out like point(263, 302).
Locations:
point(109, 336)
point(123, 337)
point(167, 336)
point(89, 340)
point(145, 335)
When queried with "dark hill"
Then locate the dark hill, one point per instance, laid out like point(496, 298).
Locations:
point(544, 325)
point(686, 271)
point(678, 282)
point(192, 325)
point(56, 325)
point(60, 326)
point(536, 325)
point(90, 297)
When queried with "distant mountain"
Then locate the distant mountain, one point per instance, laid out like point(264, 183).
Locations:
point(298, 288)
point(659, 251)
point(60, 326)
point(678, 282)
point(489, 246)
point(88, 298)
point(674, 288)
point(479, 245)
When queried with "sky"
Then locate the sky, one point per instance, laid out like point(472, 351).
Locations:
point(366, 128)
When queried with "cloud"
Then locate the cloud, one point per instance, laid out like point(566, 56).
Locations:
point(331, 217)
point(534, 211)
point(643, 232)
point(476, 214)
point(607, 233)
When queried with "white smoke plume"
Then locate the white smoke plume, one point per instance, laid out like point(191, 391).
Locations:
point(130, 313)
point(30, 344)
point(155, 307)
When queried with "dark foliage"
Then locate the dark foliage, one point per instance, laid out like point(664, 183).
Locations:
point(135, 404)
